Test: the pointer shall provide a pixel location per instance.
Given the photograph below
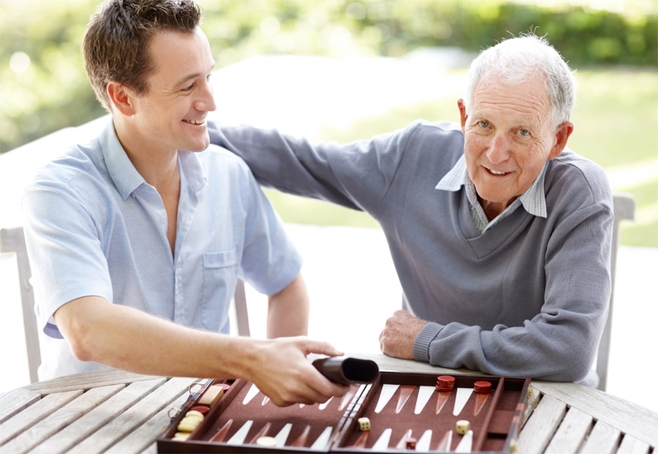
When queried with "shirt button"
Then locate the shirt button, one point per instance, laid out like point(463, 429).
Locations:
point(162, 219)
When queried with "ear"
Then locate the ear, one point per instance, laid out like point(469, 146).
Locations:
point(120, 98)
point(562, 133)
point(462, 113)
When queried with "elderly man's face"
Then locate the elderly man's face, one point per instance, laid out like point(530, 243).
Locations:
point(508, 139)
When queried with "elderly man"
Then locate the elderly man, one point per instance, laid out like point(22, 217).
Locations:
point(500, 235)
point(137, 238)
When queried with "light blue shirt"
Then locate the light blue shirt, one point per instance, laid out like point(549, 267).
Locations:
point(533, 199)
point(95, 227)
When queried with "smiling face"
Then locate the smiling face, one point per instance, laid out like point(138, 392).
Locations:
point(171, 115)
point(508, 137)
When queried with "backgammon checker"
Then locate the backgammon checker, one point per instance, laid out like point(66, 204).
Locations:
point(408, 411)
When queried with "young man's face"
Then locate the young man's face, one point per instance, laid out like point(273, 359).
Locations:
point(171, 115)
point(508, 137)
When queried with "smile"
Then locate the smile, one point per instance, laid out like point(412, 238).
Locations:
point(495, 172)
point(195, 122)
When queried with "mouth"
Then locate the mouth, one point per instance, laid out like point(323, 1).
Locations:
point(496, 172)
point(195, 122)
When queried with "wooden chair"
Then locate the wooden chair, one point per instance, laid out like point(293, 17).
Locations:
point(13, 240)
point(624, 209)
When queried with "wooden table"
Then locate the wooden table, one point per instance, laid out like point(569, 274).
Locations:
point(118, 412)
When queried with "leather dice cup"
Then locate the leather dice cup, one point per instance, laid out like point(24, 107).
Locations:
point(347, 371)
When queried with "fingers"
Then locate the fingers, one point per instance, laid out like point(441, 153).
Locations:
point(321, 348)
point(292, 378)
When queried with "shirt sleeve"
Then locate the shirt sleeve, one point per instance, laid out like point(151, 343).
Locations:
point(64, 250)
point(270, 260)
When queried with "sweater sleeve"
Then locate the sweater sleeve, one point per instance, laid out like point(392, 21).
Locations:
point(355, 175)
point(561, 341)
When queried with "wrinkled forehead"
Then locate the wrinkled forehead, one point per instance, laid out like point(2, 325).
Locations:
point(515, 98)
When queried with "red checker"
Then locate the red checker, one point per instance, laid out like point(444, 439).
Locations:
point(482, 387)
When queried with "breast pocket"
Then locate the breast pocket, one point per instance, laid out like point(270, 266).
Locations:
point(220, 273)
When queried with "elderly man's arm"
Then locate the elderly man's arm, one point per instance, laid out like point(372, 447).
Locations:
point(126, 338)
point(560, 342)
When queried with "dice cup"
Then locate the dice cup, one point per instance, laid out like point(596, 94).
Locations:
point(347, 371)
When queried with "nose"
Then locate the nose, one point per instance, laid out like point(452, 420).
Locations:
point(206, 98)
point(499, 150)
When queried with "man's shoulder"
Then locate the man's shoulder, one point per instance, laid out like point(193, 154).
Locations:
point(436, 129)
point(76, 160)
point(579, 178)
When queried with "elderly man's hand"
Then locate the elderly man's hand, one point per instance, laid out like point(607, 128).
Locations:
point(398, 337)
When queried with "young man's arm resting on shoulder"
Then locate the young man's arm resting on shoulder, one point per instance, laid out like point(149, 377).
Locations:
point(129, 339)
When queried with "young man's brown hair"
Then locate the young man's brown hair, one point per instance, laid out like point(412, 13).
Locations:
point(115, 45)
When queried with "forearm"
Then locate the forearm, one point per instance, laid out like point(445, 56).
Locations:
point(288, 311)
point(126, 338)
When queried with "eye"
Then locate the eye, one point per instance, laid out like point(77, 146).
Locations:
point(483, 124)
point(524, 132)
point(188, 88)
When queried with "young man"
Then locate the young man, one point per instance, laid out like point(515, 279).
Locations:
point(137, 238)
point(500, 235)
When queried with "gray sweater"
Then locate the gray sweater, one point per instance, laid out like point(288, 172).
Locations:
point(528, 297)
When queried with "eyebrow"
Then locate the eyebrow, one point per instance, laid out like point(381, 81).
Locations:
point(192, 76)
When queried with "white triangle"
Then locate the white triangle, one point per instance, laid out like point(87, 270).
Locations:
point(462, 397)
point(383, 440)
point(282, 436)
point(241, 434)
point(385, 396)
point(251, 394)
point(424, 442)
point(324, 405)
point(466, 445)
point(424, 394)
point(323, 439)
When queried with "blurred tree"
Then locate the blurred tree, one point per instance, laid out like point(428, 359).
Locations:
point(43, 86)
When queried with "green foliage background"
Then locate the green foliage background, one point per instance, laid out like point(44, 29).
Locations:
point(43, 86)
point(52, 91)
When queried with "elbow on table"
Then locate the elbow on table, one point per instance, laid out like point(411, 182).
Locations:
point(76, 328)
point(81, 346)
point(569, 368)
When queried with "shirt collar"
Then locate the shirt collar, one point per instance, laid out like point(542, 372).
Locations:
point(127, 179)
point(122, 171)
point(533, 199)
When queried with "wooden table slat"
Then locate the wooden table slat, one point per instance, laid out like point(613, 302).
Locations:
point(34, 413)
point(87, 380)
point(572, 431)
point(16, 401)
point(532, 399)
point(631, 445)
point(59, 419)
point(604, 439)
point(98, 417)
point(541, 425)
point(125, 423)
point(629, 418)
point(143, 438)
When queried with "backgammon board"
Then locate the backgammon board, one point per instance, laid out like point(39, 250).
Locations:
point(398, 411)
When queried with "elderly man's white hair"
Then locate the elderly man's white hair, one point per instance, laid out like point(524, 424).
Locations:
point(515, 60)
